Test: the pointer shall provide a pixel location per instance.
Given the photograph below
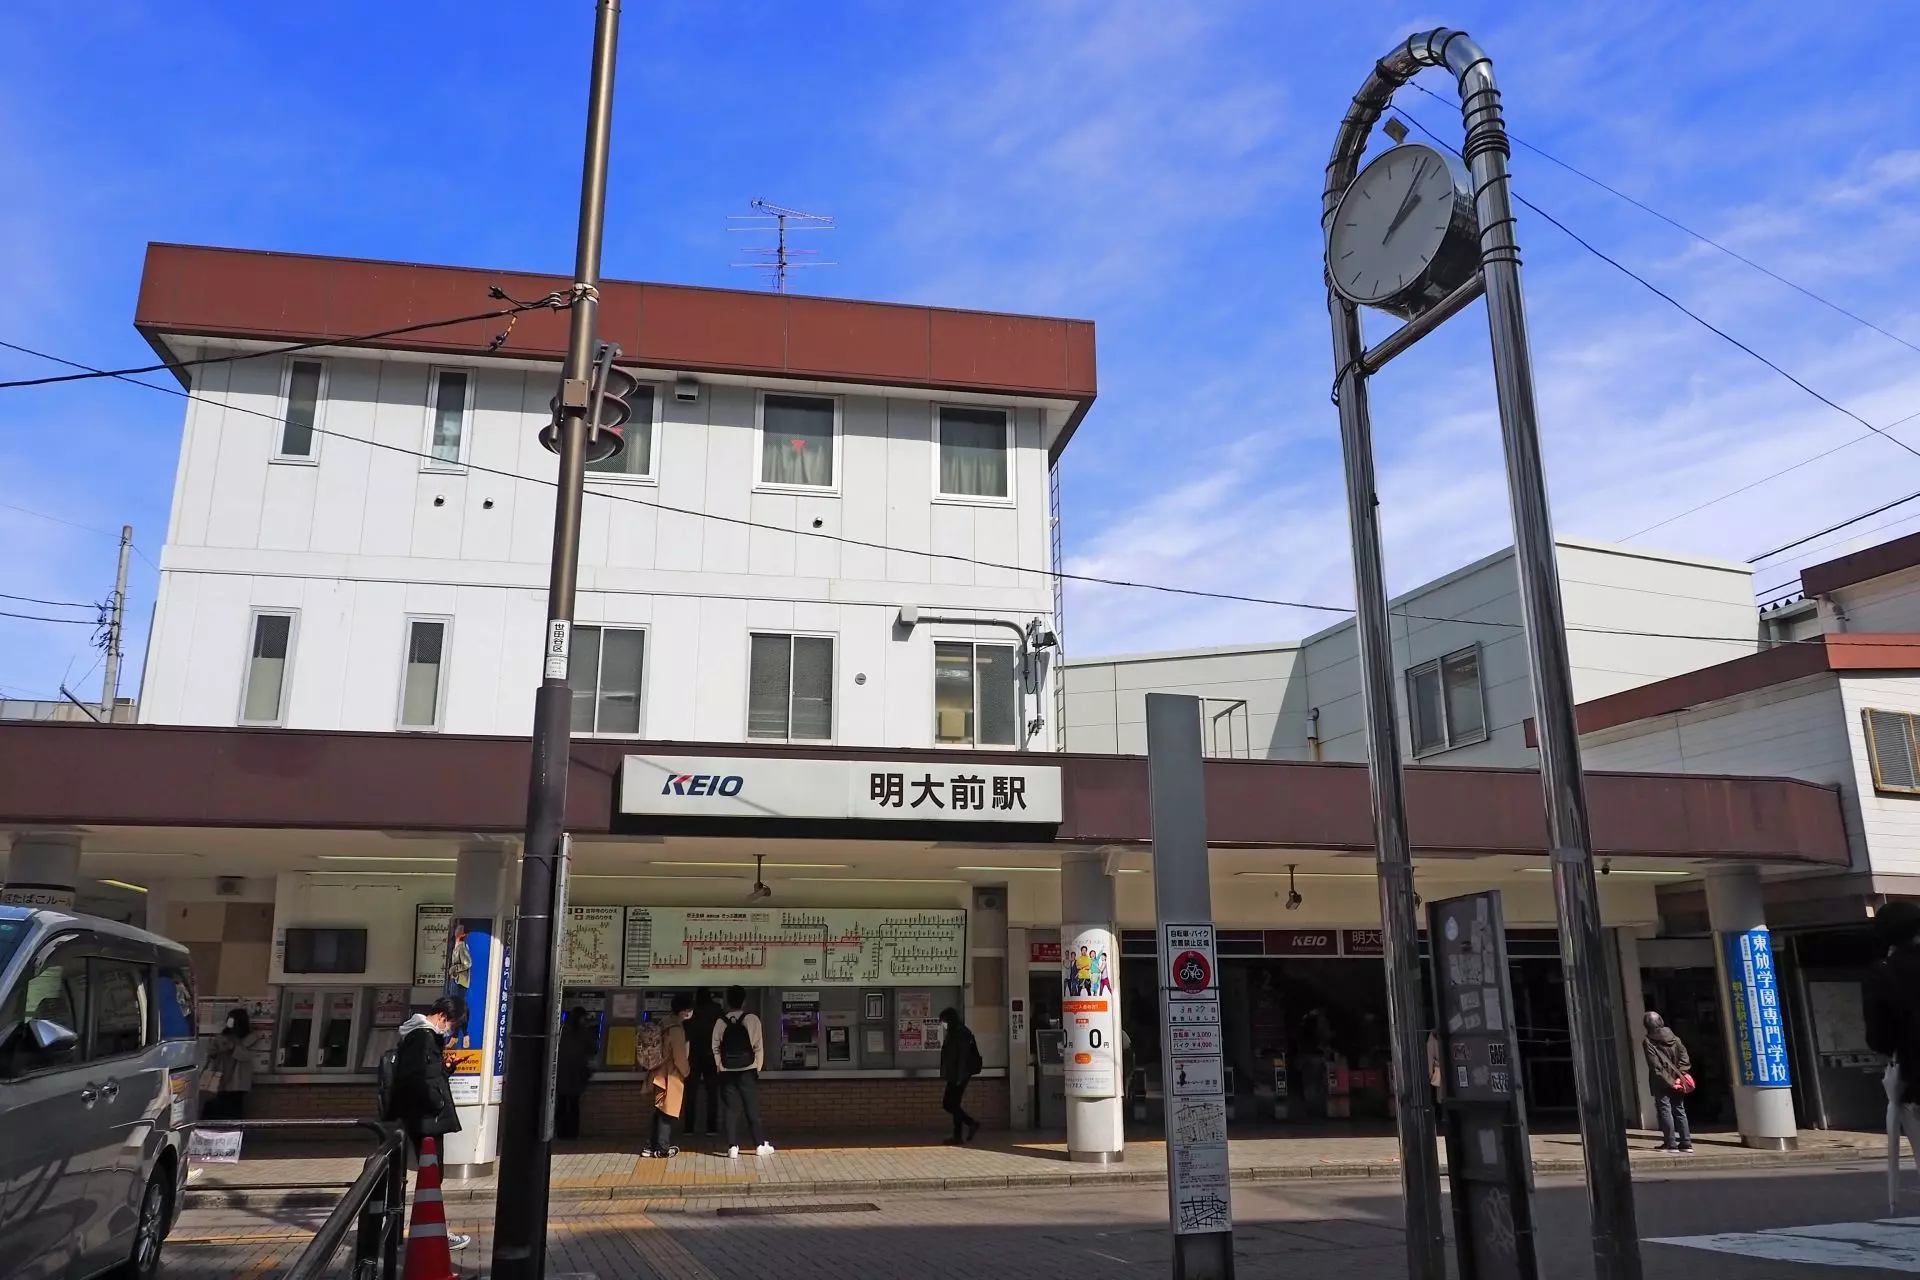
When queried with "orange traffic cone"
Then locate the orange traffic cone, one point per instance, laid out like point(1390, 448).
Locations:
point(428, 1257)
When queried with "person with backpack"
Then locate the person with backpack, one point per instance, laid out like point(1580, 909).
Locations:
point(573, 1068)
point(228, 1076)
point(1670, 1076)
point(413, 1081)
point(703, 1080)
point(959, 1064)
point(739, 1055)
point(669, 1080)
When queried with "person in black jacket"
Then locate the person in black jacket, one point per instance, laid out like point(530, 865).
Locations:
point(1669, 1068)
point(1893, 995)
point(959, 1063)
point(703, 1081)
point(422, 1099)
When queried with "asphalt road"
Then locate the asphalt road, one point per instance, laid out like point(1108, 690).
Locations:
point(1329, 1231)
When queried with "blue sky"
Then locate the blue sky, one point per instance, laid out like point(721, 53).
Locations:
point(1153, 167)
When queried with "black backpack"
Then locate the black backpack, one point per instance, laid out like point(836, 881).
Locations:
point(389, 1069)
point(736, 1045)
point(974, 1065)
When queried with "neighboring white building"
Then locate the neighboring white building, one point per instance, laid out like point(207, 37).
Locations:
point(1459, 654)
point(797, 472)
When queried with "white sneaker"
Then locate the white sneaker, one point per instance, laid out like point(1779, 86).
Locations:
point(733, 1153)
point(456, 1241)
point(764, 1149)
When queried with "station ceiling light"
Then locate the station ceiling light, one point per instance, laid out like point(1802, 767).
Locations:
point(1054, 870)
point(1616, 871)
point(748, 862)
point(382, 857)
point(122, 884)
point(872, 880)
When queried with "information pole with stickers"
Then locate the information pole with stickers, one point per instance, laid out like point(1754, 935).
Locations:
point(1489, 1157)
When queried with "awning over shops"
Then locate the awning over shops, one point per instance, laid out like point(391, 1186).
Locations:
point(82, 775)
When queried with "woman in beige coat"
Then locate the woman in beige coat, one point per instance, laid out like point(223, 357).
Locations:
point(669, 1080)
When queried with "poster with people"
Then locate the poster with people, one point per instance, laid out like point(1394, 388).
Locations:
point(467, 972)
point(1089, 973)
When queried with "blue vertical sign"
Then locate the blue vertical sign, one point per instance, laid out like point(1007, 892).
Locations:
point(1759, 1035)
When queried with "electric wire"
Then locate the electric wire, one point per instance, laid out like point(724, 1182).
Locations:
point(35, 617)
point(1703, 238)
point(1054, 573)
point(57, 604)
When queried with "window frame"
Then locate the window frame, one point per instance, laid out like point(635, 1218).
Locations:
point(1438, 666)
point(440, 688)
point(833, 685)
point(149, 1028)
point(310, 459)
point(1016, 708)
point(652, 474)
point(286, 668)
point(600, 662)
point(760, 443)
point(427, 461)
point(1871, 740)
point(969, 499)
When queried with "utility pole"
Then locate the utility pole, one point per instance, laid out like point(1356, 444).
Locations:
point(520, 1214)
point(116, 618)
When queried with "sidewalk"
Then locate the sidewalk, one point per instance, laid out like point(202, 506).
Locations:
point(292, 1175)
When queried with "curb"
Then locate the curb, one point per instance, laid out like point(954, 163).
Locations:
point(325, 1196)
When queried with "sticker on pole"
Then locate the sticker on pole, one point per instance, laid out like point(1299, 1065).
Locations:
point(559, 643)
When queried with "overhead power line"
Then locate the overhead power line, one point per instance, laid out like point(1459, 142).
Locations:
point(744, 522)
point(1702, 237)
point(35, 617)
point(57, 604)
point(558, 300)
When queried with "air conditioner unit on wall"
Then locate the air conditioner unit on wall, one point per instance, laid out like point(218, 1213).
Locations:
point(229, 886)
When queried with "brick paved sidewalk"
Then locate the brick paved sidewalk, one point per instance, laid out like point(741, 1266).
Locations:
point(288, 1174)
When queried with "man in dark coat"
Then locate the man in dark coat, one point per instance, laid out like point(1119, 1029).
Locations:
point(422, 1098)
point(1669, 1070)
point(959, 1063)
point(702, 1097)
point(1893, 995)
point(573, 1068)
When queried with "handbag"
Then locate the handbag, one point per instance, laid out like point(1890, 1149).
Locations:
point(1685, 1083)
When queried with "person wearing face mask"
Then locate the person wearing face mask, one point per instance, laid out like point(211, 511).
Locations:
point(422, 1100)
point(669, 1080)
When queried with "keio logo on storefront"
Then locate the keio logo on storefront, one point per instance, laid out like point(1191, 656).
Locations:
point(702, 784)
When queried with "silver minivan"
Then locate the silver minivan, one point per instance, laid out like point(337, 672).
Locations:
point(99, 1078)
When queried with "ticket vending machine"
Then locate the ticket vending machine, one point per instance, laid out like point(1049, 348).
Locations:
point(1050, 1078)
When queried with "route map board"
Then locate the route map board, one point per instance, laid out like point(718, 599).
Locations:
point(795, 946)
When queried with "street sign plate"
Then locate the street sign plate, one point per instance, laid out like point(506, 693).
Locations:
point(1193, 1013)
point(1184, 1040)
point(1196, 1076)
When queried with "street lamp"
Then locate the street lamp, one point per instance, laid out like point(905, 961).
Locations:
point(1420, 236)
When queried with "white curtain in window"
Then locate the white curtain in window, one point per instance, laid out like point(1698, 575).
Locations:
point(267, 669)
point(812, 688)
point(953, 692)
point(797, 441)
point(303, 407)
point(420, 692)
point(449, 416)
point(636, 458)
point(973, 453)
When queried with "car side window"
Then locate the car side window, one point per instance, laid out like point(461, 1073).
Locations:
point(122, 1010)
point(54, 990)
point(176, 1004)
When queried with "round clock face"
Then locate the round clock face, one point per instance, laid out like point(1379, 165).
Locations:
point(1391, 223)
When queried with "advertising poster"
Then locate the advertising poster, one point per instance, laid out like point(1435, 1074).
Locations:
point(590, 946)
point(1090, 975)
point(1759, 1035)
point(468, 957)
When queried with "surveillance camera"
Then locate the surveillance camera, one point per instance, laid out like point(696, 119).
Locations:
point(1294, 900)
point(1606, 868)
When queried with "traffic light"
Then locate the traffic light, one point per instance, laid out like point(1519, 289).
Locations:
point(609, 397)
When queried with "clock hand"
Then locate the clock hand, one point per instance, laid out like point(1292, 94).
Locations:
point(1407, 202)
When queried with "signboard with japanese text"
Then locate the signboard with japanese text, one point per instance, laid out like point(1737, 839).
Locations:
point(1189, 961)
point(430, 926)
point(795, 946)
point(1089, 1010)
point(880, 790)
point(1759, 1035)
point(1362, 942)
point(1196, 1078)
point(590, 945)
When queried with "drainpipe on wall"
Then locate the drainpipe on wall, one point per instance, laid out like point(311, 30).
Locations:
point(1832, 607)
point(910, 617)
point(1313, 732)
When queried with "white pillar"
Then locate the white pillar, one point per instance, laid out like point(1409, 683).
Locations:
point(1633, 1031)
point(1019, 1028)
point(1094, 1125)
point(479, 879)
point(1735, 905)
point(43, 870)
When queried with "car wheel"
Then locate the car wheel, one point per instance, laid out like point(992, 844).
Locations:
point(143, 1263)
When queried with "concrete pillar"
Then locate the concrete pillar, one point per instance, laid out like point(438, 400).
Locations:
point(1019, 1030)
point(479, 901)
point(1094, 1125)
point(1633, 1033)
point(1735, 905)
point(42, 871)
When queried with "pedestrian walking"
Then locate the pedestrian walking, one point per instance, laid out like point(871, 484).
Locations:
point(669, 1080)
point(228, 1076)
point(959, 1063)
point(1670, 1076)
point(739, 1054)
point(422, 1100)
point(573, 1068)
point(703, 1081)
point(1893, 1027)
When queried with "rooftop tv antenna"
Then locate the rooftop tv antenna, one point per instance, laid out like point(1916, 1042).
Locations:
point(776, 259)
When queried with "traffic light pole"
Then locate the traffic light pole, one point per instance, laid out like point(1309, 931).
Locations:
point(520, 1214)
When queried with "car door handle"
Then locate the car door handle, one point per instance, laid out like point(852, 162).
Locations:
point(89, 1095)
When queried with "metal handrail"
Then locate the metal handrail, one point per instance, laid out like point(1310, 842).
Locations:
point(377, 1201)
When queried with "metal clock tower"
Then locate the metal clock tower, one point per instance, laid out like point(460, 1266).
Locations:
point(1418, 236)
